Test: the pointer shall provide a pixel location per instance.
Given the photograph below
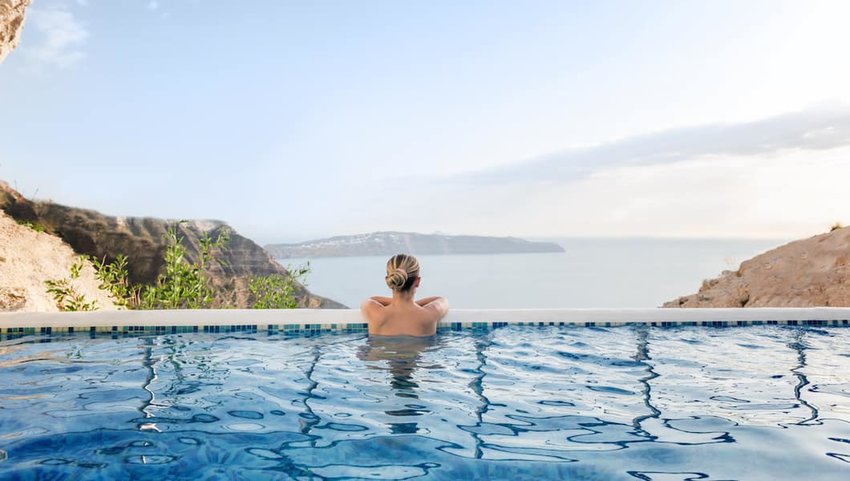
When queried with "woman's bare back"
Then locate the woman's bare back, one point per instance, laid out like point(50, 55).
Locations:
point(389, 318)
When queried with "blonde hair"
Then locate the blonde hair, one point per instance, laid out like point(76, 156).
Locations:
point(402, 271)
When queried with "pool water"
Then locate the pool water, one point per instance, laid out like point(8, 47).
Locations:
point(515, 403)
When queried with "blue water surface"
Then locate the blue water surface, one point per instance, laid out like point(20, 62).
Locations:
point(516, 403)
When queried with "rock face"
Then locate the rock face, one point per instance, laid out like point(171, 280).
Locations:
point(28, 258)
point(804, 273)
point(391, 243)
point(142, 241)
point(11, 24)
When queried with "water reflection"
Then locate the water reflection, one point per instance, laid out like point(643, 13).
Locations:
point(477, 386)
point(150, 377)
point(401, 355)
point(309, 418)
point(799, 345)
point(641, 356)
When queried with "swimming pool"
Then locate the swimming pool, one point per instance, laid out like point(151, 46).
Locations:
point(634, 402)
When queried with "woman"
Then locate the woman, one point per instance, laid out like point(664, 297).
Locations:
point(400, 315)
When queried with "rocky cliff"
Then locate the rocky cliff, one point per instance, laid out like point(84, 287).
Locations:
point(803, 273)
point(390, 243)
point(11, 24)
point(28, 258)
point(142, 241)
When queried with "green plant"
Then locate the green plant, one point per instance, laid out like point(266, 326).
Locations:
point(836, 226)
point(276, 291)
point(114, 277)
point(77, 267)
point(32, 225)
point(66, 297)
point(183, 285)
point(209, 246)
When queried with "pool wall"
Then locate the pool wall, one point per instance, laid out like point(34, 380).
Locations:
point(316, 321)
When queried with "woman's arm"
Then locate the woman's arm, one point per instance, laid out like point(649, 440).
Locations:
point(437, 306)
point(427, 300)
point(384, 301)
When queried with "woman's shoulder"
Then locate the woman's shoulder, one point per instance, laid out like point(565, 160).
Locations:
point(373, 311)
point(436, 306)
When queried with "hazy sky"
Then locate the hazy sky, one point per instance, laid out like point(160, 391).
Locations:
point(295, 120)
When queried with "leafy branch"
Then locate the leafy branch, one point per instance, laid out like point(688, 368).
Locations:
point(65, 295)
point(276, 291)
point(184, 285)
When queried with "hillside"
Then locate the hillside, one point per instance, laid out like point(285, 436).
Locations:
point(390, 243)
point(28, 258)
point(142, 241)
point(803, 273)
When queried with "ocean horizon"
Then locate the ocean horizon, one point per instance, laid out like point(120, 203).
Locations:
point(612, 273)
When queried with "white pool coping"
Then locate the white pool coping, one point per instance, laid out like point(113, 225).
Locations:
point(230, 317)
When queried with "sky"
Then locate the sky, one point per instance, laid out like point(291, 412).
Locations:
point(296, 120)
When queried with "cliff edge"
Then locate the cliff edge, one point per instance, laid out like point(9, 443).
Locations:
point(142, 240)
point(28, 258)
point(11, 23)
point(804, 273)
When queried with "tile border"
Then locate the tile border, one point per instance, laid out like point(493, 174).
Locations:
point(301, 322)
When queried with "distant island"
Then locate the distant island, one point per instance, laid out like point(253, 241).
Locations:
point(390, 243)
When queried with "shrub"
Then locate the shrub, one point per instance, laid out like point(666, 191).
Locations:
point(114, 277)
point(32, 225)
point(66, 297)
point(276, 291)
point(183, 285)
point(836, 226)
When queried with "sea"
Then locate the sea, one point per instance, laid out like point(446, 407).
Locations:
point(610, 273)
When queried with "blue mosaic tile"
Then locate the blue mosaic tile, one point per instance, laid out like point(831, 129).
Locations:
point(314, 329)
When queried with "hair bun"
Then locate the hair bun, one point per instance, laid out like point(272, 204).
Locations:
point(396, 279)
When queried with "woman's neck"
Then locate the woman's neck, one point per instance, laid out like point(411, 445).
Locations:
point(403, 296)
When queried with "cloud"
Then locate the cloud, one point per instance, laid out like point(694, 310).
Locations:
point(153, 5)
point(60, 37)
point(783, 195)
point(779, 177)
point(812, 130)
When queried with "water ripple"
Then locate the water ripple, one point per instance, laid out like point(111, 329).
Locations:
point(756, 403)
